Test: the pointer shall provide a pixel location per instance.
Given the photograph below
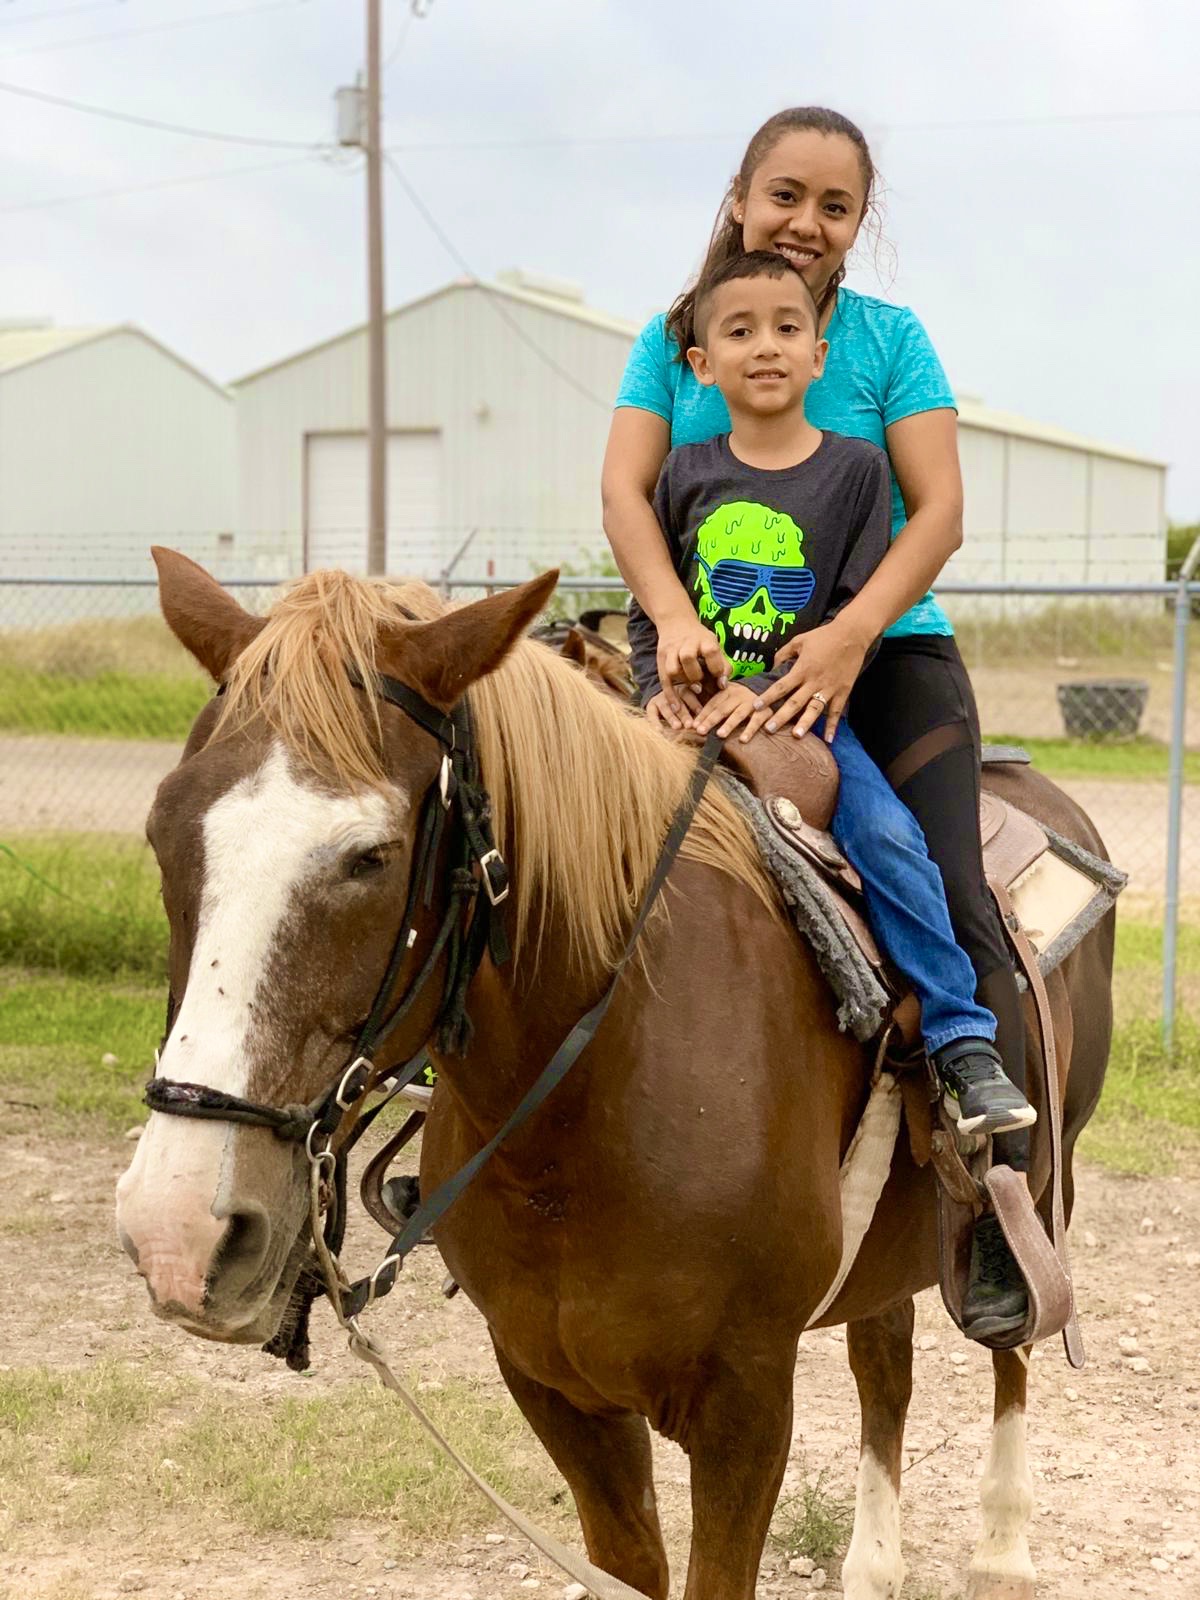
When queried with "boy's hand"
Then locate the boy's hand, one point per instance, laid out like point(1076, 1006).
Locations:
point(658, 709)
point(730, 709)
point(686, 650)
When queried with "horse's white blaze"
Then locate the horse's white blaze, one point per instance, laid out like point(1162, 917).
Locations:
point(262, 840)
point(874, 1568)
point(1001, 1563)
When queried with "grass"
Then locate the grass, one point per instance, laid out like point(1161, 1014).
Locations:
point(126, 679)
point(79, 1447)
point(82, 904)
point(814, 1523)
point(55, 1033)
point(1140, 760)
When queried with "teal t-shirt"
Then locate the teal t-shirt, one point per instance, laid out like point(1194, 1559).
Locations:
point(881, 367)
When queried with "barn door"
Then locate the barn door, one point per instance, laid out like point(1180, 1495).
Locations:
point(336, 503)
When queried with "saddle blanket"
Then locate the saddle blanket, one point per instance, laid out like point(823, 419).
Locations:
point(1059, 892)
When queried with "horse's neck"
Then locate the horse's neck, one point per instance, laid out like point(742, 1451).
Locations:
point(520, 1015)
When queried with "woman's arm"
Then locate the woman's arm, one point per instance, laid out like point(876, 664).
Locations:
point(638, 443)
point(924, 455)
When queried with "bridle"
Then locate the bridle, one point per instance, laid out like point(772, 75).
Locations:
point(456, 815)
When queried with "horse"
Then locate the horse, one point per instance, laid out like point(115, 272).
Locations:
point(647, 1249)
point(602, 661)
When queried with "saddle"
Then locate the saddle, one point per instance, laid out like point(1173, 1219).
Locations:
point(1047, 900)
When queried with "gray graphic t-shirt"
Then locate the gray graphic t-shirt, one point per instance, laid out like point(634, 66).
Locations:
point(766, 555)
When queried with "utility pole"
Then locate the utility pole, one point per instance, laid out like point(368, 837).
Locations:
point(376, 349)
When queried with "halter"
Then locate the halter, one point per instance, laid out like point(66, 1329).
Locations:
point(331, 1125)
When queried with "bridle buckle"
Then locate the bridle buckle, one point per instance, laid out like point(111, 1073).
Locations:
point(496, 896)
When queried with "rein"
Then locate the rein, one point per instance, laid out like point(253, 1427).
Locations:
point(331, 1125)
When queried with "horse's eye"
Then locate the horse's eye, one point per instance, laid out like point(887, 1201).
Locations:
point(370, 861)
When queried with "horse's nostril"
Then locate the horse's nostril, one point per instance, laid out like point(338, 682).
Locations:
point(243, 1248)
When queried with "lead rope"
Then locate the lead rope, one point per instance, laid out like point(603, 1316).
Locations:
point(364, 1345)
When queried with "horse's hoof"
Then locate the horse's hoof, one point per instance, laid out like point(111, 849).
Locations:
point(981, 1586)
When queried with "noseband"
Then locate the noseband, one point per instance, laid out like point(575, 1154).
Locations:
point(331, 1125)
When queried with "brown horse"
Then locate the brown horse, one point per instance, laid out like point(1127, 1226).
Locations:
point(650, 1245)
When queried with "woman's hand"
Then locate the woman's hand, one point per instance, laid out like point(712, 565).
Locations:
point(686, 650)
point(828, 662)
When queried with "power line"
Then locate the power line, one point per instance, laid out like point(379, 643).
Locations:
point(151, 122)
point(551, 142)
point(65, 11)
point(153, 27)
point(497, 306)
point(146, 188)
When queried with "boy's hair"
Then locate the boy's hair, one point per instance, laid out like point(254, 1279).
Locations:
point(751, 264)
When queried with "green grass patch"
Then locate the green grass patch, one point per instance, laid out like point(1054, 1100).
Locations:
point(1140, 760)
point(54, 1036)
point(87, 905)
point(110, 678)
point(112, 705)
point(114, 1443)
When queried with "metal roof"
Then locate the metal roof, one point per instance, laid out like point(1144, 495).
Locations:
point(22, 346)
point(574, 310)
point(973, 414)
point(19, 346)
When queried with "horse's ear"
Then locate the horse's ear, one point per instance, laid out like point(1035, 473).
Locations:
point(442, 659)
point(202, 616)
point(573, 648)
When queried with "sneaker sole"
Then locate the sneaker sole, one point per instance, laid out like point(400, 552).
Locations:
point(1001, 1122)
point(998, 1333)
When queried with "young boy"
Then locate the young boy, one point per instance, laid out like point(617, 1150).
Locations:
point(772, 529)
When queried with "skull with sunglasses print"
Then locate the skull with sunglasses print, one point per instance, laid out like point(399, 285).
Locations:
point(750, 581)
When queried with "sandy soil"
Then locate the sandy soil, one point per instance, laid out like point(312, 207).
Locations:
point(1114, 1449)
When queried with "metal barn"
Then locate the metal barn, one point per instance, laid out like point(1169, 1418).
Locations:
point(109, 442)
point(499, 398)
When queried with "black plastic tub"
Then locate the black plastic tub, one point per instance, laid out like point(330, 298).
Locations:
point(1103, 708)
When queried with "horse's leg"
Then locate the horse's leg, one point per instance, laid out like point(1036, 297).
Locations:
point(880, 1350)
point(1001, 1568)
point(606, 1462)
point(737, 1435)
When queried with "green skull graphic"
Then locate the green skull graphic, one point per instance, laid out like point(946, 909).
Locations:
point(749, 566)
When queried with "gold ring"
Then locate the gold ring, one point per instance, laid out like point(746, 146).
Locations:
point(818, 699)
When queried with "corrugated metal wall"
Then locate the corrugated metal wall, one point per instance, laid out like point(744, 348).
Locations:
point(521, 447)
point(521, 450)
point(1039, 512)
point(106, 447)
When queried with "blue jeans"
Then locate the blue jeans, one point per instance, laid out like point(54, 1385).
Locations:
point(906, 899)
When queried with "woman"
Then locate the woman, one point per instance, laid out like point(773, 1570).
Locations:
point(804, 188)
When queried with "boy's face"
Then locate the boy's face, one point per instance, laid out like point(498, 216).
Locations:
point(760, 346)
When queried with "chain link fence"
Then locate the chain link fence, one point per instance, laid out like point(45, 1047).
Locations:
point(1100, 683)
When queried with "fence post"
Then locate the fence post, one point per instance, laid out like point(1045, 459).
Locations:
point(1183, 616)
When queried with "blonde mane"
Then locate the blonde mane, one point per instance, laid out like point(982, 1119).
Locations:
point(583, 789)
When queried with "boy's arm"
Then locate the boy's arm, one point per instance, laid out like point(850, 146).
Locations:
point(643, 634)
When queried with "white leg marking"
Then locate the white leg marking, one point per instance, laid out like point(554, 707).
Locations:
point(1001, 1564)
point(874, 1568)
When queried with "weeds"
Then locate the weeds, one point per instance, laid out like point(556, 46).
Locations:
point(814, 1523)
point(77, 1447)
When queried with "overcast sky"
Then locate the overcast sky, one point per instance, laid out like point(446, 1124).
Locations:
point(1054, 261)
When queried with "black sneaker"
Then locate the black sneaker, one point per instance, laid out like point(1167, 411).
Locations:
point(995, 1307)
point(979, 1098)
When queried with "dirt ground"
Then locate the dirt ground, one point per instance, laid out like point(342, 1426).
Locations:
point(1114, 1449)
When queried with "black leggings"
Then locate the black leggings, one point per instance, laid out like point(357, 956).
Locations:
point(914, 710)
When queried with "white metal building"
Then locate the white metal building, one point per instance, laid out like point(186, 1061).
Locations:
point(499, 399)
point(108, 442)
